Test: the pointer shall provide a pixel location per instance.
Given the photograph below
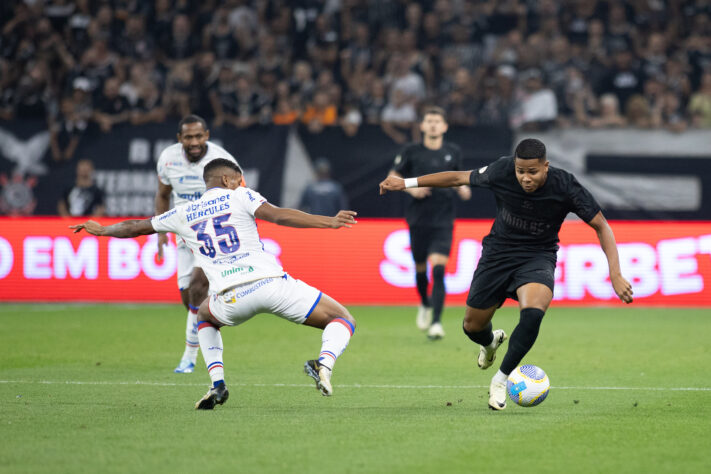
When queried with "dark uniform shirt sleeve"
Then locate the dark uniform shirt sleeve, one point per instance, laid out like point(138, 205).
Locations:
point(484, 176)
point(403, 164)
point(583, 204)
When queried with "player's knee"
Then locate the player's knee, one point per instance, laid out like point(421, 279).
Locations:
point(348, 317)
point(198, 293)
point(472, 325)
point(438, 273)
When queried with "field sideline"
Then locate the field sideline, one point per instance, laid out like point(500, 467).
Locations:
point(89, 388)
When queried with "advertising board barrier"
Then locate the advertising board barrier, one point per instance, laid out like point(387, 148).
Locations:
point(41, 260)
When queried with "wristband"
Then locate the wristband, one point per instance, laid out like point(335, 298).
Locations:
point(411, 183)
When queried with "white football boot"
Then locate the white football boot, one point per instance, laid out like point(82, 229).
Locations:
point(436, 331)
point(424, 318)
point(487, 354)
point(497, 395)
point(321, 375)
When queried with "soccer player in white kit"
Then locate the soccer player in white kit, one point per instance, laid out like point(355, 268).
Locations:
point(180, 169)
point(220, 229)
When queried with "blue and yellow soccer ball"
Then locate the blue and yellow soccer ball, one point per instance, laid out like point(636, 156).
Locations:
point(528, 385)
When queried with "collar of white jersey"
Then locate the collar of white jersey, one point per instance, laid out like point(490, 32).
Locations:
point(216, 188)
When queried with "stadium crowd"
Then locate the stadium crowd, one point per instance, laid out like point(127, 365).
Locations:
point(520, 63)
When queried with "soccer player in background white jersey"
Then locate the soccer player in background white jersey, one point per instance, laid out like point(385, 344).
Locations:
point(220, 229)
point(180, 169)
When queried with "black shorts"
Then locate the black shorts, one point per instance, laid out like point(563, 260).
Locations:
point(426, 240)
point(498, 276)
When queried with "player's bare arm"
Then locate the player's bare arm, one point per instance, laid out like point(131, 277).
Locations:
point(121, 230)
point(417, 193)
point(622, 287)
point(294, 218)
point(445, 179)
point(162, 204)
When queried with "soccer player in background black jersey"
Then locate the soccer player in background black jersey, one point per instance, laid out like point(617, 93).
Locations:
point(519, 255)
point(430, 214)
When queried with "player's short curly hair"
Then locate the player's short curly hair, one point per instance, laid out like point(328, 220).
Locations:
point(212, 167)
point(192, 119)
point(531, 149)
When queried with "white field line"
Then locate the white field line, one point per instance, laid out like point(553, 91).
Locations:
point(366, 386)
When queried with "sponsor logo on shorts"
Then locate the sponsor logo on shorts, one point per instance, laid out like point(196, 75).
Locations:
point(236, 271)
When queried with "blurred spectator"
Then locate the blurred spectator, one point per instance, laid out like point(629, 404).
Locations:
point(700, 103)
point(84, 198)
point(401, 78)
point(638, 112)
point(374, 102)
point(219, 36)
point(610, 116)
point(492, 110)
point(65, 131)
point(134, 43)
point(623, 79)
point(536, 106)
point(324, 197)
point(248, 104)
point(149, 105)
point(351, 119)
point(181, 44)
point(178, 88)
point(320, 112)
point(669, 113)
point(399, 116)
point(111, 108)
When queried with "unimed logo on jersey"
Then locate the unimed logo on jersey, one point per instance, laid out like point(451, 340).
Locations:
point(668, 264)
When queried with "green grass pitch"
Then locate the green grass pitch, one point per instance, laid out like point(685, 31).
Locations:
point(90, 388)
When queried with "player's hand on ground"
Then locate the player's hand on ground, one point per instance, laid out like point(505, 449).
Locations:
point(392, 183)
point(623, 288)
point(162, 241)
point(92, 227)
point(344, 219)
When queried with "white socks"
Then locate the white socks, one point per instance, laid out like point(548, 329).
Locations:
point(191, 336)
point(500, 377)
point(211, 346)
point(334, 341)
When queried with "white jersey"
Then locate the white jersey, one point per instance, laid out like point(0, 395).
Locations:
point(185, 177)
point(220, 230)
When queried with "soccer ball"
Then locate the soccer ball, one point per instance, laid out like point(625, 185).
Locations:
point(528, 385)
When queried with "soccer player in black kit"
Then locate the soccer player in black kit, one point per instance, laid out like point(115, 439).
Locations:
point(519, 255)
point(430, 214)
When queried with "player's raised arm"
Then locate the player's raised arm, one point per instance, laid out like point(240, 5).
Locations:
point(121, 230)
point(445, 179)
point(622, 287)
point(294, 218)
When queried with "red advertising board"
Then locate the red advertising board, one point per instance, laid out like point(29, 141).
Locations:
point(669, 263)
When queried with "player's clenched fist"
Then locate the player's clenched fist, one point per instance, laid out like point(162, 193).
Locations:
point(392, 183)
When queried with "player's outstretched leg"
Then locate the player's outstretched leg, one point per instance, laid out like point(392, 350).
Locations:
point(522, 339)
point(338, 326)
point(438, 293)
point(187, 362)
point(211, 345)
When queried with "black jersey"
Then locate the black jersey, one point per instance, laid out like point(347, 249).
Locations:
point(437, 209)
point(531, 221)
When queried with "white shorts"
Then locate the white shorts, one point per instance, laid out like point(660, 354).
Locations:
point(186, 262)
point(285, 297)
